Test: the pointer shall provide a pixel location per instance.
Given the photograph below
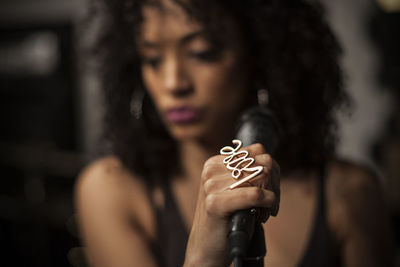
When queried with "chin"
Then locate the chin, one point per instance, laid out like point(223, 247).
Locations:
point(198, 134)
point(186, 135)
point(187, 132)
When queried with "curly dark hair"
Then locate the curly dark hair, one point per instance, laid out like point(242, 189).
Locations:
point(292, 51)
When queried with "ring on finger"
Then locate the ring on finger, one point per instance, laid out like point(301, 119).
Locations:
point(238, 162)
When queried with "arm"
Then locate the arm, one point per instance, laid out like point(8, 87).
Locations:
point(110, 226)
point(358, 217)
point(208, 245)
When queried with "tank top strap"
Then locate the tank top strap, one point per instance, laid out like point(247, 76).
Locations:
point(154, 245)
point(171, 231)
point(320, 250)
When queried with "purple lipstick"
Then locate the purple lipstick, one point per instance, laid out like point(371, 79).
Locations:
point(183, 115)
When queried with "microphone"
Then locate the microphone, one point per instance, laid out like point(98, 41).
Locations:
point(256, 125)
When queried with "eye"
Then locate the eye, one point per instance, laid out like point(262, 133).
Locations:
point(153, 62)
point(206, 55)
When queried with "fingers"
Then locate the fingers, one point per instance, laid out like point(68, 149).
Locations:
point(270, 178)
point(262, 190)
point(226, 202)
point(274, 185)
point(255, 149)
point(264, 160)
point(262, 180)
point(217, 184)
point(214, 168)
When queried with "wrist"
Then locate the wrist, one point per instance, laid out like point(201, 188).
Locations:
point(204, 261)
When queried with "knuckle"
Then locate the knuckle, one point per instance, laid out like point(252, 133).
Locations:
point(255, 194)
point(208, 171)
point(259, 148)
point(267, 159)
point(209, 186)
point(210, 203)
point(210, 161)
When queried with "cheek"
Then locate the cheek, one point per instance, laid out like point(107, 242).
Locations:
point(151, 84)
point(223, 84)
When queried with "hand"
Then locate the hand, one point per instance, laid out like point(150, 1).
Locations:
point(208, 244)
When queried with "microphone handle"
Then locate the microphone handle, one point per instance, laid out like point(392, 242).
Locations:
point(242, 228)
point(246, 237)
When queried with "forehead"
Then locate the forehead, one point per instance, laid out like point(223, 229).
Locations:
point(166, 21)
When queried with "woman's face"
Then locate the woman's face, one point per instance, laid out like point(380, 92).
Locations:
point(198, 88)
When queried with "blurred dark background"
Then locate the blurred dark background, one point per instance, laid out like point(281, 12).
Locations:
point(41, 149)
point(50, 110)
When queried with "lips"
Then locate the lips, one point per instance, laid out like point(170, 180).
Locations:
point(183, 115)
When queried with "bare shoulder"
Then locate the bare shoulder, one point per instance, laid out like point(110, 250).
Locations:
point(104, 171)
point(106, 177)
point(351, 190)
point(357, 214)
point(114, 215)
point(106, 185)
point(346, 179)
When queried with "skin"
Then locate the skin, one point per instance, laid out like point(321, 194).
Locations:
point(182, 68)
point(115, 216)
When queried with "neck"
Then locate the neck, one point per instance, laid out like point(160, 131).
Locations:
point(193, 154)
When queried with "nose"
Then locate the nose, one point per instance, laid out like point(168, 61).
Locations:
point(176, 79)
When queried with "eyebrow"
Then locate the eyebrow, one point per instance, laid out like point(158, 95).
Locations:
point(189, 37)
point(185, 39)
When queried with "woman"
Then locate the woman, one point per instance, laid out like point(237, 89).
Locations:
point(177, 75)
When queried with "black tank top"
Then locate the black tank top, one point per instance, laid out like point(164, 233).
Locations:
point(172, 235)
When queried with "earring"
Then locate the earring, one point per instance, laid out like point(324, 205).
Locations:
point(262, 97)
point(136, 104)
